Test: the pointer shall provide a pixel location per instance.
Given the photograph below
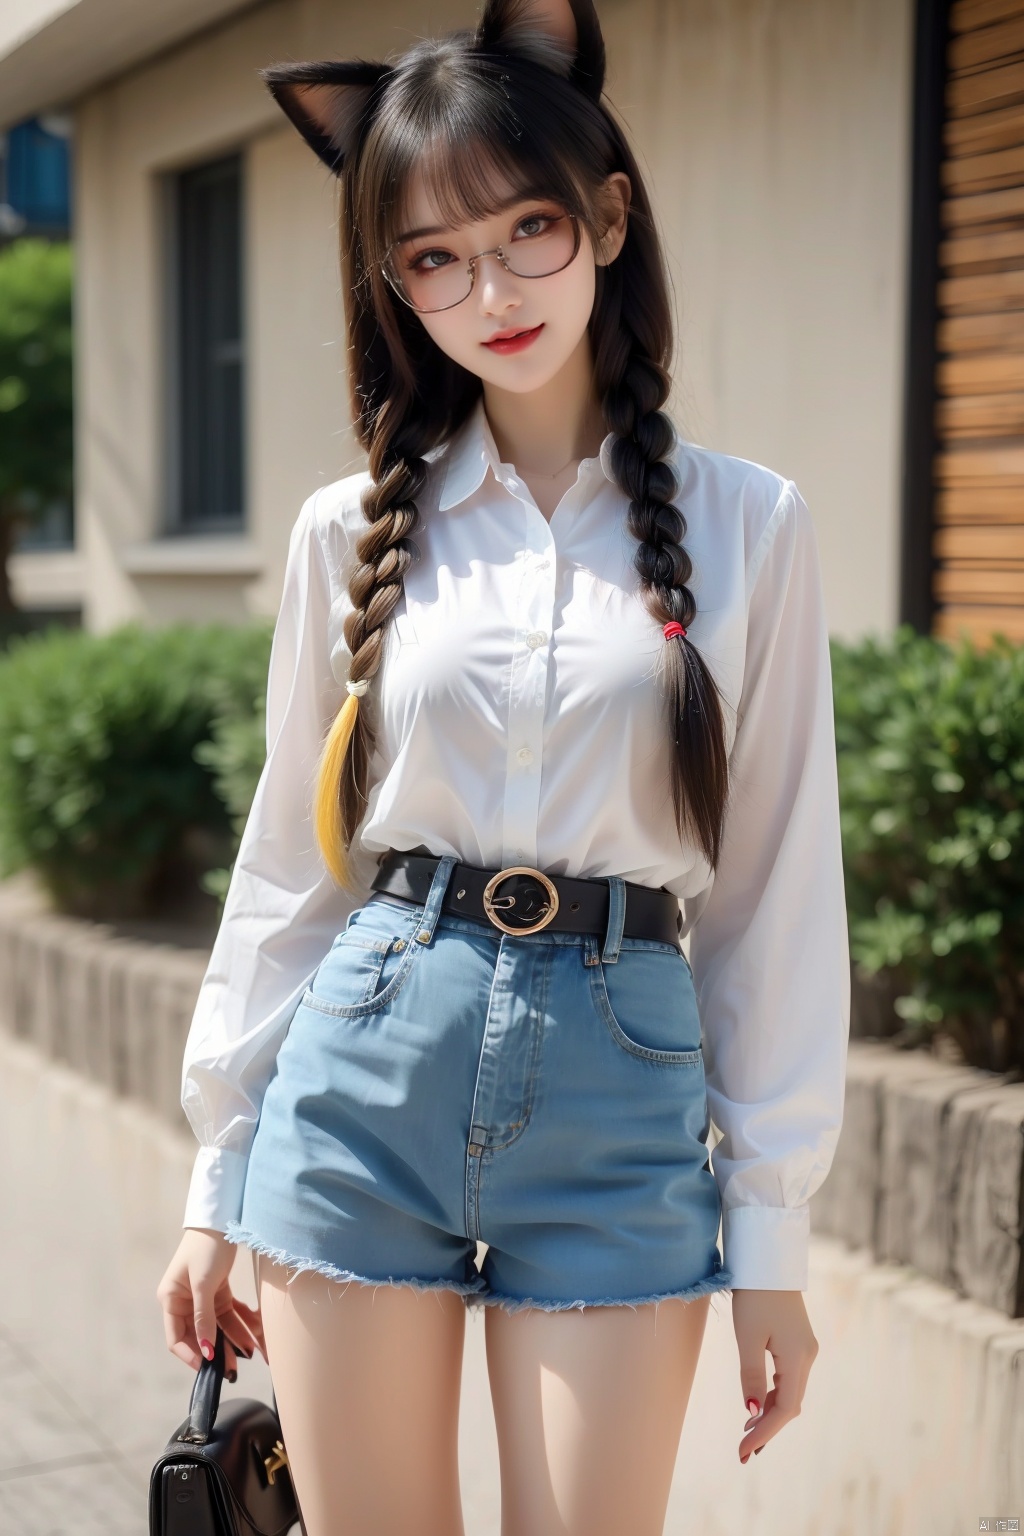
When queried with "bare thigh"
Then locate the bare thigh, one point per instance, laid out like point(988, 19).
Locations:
point(367, 1382)
point(589, 1408)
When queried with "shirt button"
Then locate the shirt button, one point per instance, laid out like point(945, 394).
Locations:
point(525, 755)
point(535, 637)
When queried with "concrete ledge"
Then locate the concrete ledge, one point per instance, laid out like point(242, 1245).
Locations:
point(929, 1172)
point(115, 1009)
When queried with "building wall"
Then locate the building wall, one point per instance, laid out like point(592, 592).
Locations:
point(778, 136)
point(776, 133)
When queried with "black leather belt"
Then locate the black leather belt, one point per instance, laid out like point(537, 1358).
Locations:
point(521, 899)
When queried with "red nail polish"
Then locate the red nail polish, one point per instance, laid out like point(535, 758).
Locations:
point(744, 1459)
point(753, 1406)
point(207, 1348)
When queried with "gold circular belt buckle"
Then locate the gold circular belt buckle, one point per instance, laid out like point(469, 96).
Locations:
point(491, 902)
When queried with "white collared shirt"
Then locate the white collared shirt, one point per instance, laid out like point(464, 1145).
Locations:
point(520, 721)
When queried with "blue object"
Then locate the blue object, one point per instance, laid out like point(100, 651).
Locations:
point(441, 1083)
point(38, 180)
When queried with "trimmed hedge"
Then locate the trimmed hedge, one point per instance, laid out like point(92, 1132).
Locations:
point(100, 788)
point(930, 739)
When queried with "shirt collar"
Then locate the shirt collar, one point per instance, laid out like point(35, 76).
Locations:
point(472, 451)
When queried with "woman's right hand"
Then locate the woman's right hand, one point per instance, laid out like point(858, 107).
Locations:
point(195, 1296)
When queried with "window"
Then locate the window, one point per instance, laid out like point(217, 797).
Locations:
point(207, 481)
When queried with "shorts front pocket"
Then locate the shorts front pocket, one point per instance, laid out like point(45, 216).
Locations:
point(365, 969)
point(647, 1000)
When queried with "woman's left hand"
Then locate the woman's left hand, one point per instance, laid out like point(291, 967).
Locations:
point(776, 1322)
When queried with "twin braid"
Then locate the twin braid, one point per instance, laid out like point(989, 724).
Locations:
point(397, 477)
point(644, 438)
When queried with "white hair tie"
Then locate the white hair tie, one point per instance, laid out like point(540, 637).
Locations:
point(358, 688)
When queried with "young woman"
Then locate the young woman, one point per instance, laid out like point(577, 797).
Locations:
point(549, 690)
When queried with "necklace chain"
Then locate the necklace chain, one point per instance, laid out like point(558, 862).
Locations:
point(539, 475)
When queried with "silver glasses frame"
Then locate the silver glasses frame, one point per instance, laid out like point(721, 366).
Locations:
point(471, 261)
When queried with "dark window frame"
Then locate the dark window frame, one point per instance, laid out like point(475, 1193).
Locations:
point(205, 407)
point(920, 443)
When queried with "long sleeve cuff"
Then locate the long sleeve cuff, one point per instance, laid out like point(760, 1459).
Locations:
point(215, 1192)
point(766, 1247)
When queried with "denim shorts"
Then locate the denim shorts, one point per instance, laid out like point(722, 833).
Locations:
point(443, 1083)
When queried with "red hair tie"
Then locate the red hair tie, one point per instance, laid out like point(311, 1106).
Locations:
point(673, 627)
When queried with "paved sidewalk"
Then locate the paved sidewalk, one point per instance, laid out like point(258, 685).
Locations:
point(91, 1193)
point(92, 1188)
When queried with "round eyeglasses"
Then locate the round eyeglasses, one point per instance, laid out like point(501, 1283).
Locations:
point(428, 285)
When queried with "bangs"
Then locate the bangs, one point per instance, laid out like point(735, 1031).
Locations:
point(472, 181)
point(474, 153)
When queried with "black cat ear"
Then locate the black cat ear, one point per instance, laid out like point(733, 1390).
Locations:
point(564, 35)
point(327, 100)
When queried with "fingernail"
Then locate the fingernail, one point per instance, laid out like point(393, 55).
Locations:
point(207, 1348)
point(759, 1450)
point(745, 1459)
point(753, 1406)
point(232, 1375)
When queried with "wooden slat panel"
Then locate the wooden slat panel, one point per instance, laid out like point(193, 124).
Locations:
point(983, 373)
point(981, 295)
point(980, 467)
point(987, 45)
point(979, 623)
point(984, 91)
point(993, 504)
point(980, 416)
point(970, 255)
point(991, 544)
point(984, 586)
point(984, 173)
point(981, 333)
point(984, 208)
point(978, 538)
point(966, 14)
point(987, 131)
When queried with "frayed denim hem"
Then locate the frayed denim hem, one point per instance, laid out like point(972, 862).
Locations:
point(721, 1281)
point(235, 1233)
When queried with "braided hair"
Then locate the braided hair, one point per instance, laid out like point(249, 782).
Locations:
point(518, 101)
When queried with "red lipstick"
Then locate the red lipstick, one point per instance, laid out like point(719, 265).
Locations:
point(513, 341)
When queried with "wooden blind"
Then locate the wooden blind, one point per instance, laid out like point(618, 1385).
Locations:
point(979, 465)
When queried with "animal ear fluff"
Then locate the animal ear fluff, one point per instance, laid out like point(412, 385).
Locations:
point(564, 35)
point(327, 100)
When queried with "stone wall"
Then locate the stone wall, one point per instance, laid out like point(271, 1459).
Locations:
point(928, 1172)
point(116, 1009)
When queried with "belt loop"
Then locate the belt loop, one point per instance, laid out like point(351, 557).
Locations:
point(435, 896)
point(616, 917)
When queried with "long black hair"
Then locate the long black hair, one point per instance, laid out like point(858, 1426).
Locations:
point(516, 103)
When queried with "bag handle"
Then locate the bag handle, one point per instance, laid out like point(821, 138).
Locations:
point(205, 1400)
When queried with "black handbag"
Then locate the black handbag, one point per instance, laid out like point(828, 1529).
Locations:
point(224, 1471)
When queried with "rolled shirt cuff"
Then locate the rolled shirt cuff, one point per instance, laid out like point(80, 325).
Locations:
point(766, 1247)
point(215, 1191)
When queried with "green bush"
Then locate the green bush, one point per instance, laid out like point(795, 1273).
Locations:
point(235, 755)
point(930, 740)
point(101, 791)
